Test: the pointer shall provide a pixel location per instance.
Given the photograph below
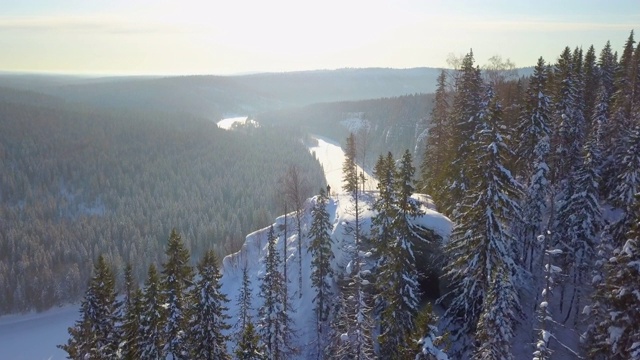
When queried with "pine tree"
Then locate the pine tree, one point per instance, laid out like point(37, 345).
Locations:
point(154, 318)
point(209, 321)
point(437, 152)
point(397, 273)
point(535, 125)
point(466, 105)
point(480, 252)
point(94, 336)
point(349, 169)
point(177, 279)
point(628, 181)
point(616, 331)
point(426, 330)
point(275, 325)
point(243, 303)
point(248, 345)
point(578, 222)
point(322, 274)
point(354, 322)
point(591, 78)
point(621, 119)
point(131, 316)
point(569, 122)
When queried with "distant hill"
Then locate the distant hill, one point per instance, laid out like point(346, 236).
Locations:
point(213, 97)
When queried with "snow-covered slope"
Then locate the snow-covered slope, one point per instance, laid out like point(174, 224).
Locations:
point(340, 209)
point(34, 336)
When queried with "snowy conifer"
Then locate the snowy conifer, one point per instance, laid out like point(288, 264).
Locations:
point(466, 104)
point(577, 226)
point(616, 331)
point(628, 181)
point(131, 315)
point(480, 251)
point(275, 324)
point(154, 318)
point(94, 336)
point(209, 321)
point(321, 274)
point(535, 126)
point(177, 279)
point(437, 152)
point(397, 275)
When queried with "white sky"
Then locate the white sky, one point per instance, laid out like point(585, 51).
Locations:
point(236, 36)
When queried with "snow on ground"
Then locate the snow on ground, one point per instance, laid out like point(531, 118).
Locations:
point(331, 156)
point(228, 123)
point(356, 123)
point(341, 215)
point(251, 256)
point(34, 336)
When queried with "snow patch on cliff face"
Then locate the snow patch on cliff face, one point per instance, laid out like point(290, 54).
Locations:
point(340, 208)
point(355, 122)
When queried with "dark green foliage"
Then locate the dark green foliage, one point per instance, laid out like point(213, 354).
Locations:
point(438, 150)
point(94, 336)
point(131, 316)
point(209, 321)
point(77, 182)
point(177, 280)
point(480, 252)
point(349, 169)
point(275, 324)
point(249, 347)
point(154, 317)
point(466, 105)
point(321, 274)
point(533, 153)
point(398, 293)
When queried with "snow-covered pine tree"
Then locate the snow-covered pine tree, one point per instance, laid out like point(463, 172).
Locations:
point(322, 273)
point(628, 181)
point(248, 346)
point(621, 117)
point(616, 330)
point(209, 317)
point(577, 226)
point(177, 280)
point(154, 317)
point(568, 139)
point(437, 152)
point(243, 304)
point(481, 260)
point(353, 324)
point(397, 273)
point(466, 104)
point(275, 325)
point(131, 315)
point(591, 77)
point(534, 150)
point(427, 331)
point(94, 335)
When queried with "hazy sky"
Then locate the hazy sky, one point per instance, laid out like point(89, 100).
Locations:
point(237, 36)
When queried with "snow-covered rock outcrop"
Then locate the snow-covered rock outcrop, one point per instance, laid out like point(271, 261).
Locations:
point(340, 209)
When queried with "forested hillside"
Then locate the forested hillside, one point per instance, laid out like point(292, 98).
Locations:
point(213, 97)
point(76, 182)
point(386, 124)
